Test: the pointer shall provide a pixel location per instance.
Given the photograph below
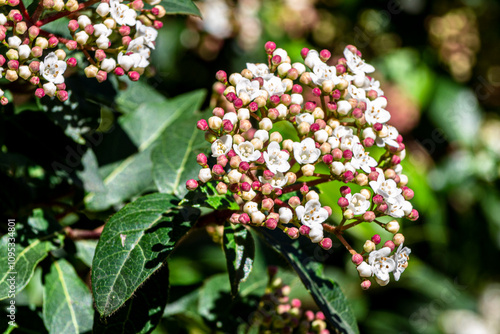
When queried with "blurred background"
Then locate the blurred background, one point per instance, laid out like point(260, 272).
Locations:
point(438, 65)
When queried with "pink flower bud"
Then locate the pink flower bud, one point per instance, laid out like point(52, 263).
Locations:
point(372, 94)
point(33, 32)
point(296, 303)
point(2, 60)
point(285, 99)
point(369, 216)
point(275, 99)
point(276, 60)
point(316, 91)
point(39, 92)
point(368, 142)
point(119, 71)
point(227, 125)
point(304, 52)
point(13, 64)
point(340, 69)
point(267, 189)
point(268, 175)
point(310, 106)
point(245, 186)
point(62, 95)
point(293, 232)
point(408, 193)
point(243, 167)
point(238, 103)
point(101, 76)
point(244, 218)
point(234, 218)
point(157, 24)
point(4, 101)
point(328, 159)
point(221, 188)
point(137, 5)
point(34, 66)
point(201, 159)
point(53, 41)
point(389, 244)
point(16, 17)
point(304, 230)
point(73, 25)
point(70, 45)
point(124, 30)
point(336, 95)
point(231, 97)
point(357, 259)
point(36, 51)
point(347, 154)
point(377, 126)
point(253, 107)
point(304, 189)
point(271, 224)
point(326, 243)
point(270, 47)
point(35, 81)
point(61, 86)
point(320, 316)
point(222, 160)
point(221, 76)
point(155, 11)
point(314, 127)
point(294, 201)
point(357, 113)
point(348, 176)
point(337, 154)
point(413, 215)
point(343, 202)
point(126, 40)
point(191, 184)
point(365, 285)
point(219, 112)
point(218, 170)
point(382, 208)
point(267, 204)
point(133, 75)
point(278, 192)
point(373, 176)
point(256, 185)
point(376, 239)
point(202, 125)
point(100, 55)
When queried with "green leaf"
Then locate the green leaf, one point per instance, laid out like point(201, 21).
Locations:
point(239, 248)
point(153, 116)
point(206, 195)
point(325, 292)
point(133, 245)
point(67, 303)
point(186, 7)
point(174, 158)
point(142, 312)
point(85, 250)
point(26, 259)
point(214, 299)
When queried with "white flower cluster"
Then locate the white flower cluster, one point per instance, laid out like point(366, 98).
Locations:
point(338, 114)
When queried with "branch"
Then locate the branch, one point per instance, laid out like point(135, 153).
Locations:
point(79, 234)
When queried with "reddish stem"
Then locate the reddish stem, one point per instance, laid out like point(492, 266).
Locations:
point(299, 185)
point(78, 234)
point(24, 11)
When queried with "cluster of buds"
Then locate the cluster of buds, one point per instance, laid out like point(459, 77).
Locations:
point(114, 37)
point(336, 123)
point(276, 313)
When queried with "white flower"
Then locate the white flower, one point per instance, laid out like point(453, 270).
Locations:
point(299, 67)
point(374, 85)
point(283, 69)
point(348, 142)
point(357, 203)
point(360, 80)
point(274, 86)
point(126, 61)
point(306, 152)
point(357, 93)
point(312, 59)
point(322, 72)
point(83, 21)
point(53, 69)
point(398, 207)
point(14, 42)
point(285, 215)
point(148, 33)
point(138, 47)
point(49, 88)
point(297, 99)
point(375, 113)
point(122, 14)
point(108, 64)
point(205, 175)
point(103, 9)
point(251, 88)
point(356, 64)
point(257, 217)
point(316, 233)
point(278, 181)
point(234, 176)
point(313, 214)
point(246, 151)
point(321, 136)
point(81, 37)
point(401, 258)
point(24, 72)
point(337, 167)
point(24, 51)
point(250, 207)
point(282, 110)
point(222, 145)
point(304, 117)
point(364, 270)
point(101, 30)
point(362, 159)
point(3, 19)
point(243, 113)
point(276, 159)
point(263, 135)
point(381, 264)
point(386, 188)
point(231, 117)
point(334, 142)
point(259, 70)
point(390, 139)
point(341, 131)
point(343, 107)
point(280, 52)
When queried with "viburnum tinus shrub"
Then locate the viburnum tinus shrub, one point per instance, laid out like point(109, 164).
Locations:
point(338, 116)
point(108, 36)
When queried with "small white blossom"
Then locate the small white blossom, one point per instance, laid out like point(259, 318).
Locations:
point(282, 53)
point(222, 145)
point(53, 69)
point(299, 67)
point(321, 136)
point(257, 217)
point(49, 88)
point(14, 42)
point(126, 61)
point(285, 215)
point(374, 85)
point(122, 14)
point(274, 86)
point(259, 70)
point(398, 207)
point(348, 142)
point(358, 203)
point(343, 107)
point(382, 264)
point(234, 176)
point(83, 21)
point(250, 207)
point(278, 181)
point(316, 233)
point(356, 64)
point(3, 19)
point(243, 113)
point(24, 51)
point(312, 214)
point(251, 88)
point(103, 9)
point(364, 269)
point(375, 113)
point(108, 64)
point(337, 168)
point(81, 37)
point(386, 188)
point(401, 258)
point(205, 175)
point(306, 152)
point(148, 33)
point(312, 59)
point(101, 30)
point(362, 159)
point(246, 151)
point(282, 110)
point(304, 117)
point(231, 117)
point(297, 99)
point(357, 93)
point(322, 72)
point(276, 159)
point(262, 135)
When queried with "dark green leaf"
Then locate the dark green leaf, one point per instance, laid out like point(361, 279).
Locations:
point(239, 248)
point(174, 158)
point(85, 250)
point(142, 312)
point(215, 299)
point(207, 196)
point(180, 7)
point(326, 292)
point(26, 259)
point(145, 126)
point(67, 302)
point(133, 245)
